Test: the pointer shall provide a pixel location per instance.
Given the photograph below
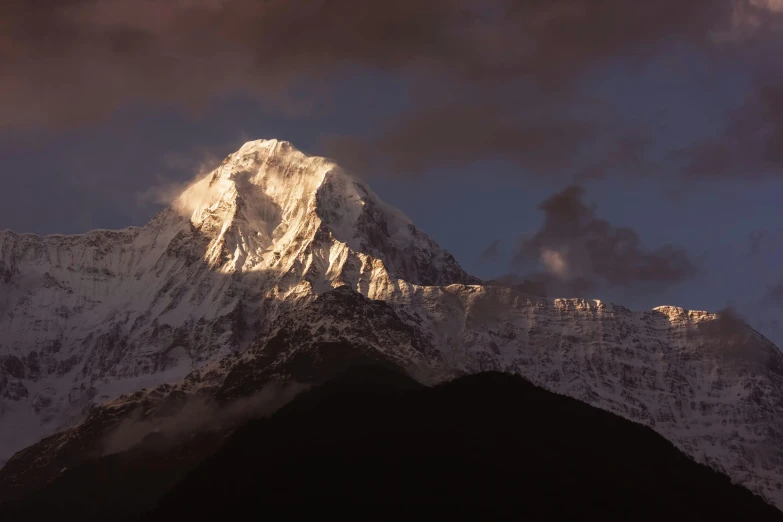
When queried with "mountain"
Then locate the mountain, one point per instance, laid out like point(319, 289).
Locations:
point(88, 317)
point(374, 444)
point(279, 267)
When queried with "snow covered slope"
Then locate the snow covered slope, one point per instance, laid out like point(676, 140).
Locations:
point(85, 318)
point(234, 284)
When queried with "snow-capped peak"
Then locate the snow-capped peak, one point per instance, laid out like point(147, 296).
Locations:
point(269, 170)
point(268, 200)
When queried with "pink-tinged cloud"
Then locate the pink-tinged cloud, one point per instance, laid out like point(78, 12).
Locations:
point(575, 251)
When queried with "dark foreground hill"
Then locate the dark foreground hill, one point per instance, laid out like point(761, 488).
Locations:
point(375, 445)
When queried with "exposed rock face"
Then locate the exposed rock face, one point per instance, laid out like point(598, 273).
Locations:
point(281, 266)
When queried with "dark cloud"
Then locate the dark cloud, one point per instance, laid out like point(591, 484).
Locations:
point(526, 286)
point(752, 143)
point(544, 123)
point(765, 241)
point(575, 251)
point(490, 253)
point(727, 328)
point(66, 60)
point(478, 72)
point(728, 335)
point(453, 135)
point(76, 60)
point(773, 296)
point(538, 142)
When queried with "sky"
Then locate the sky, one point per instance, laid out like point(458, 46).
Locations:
point(613, 149)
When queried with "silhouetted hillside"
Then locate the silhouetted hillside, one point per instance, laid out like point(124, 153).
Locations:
point(487, 445)
point(375, 445)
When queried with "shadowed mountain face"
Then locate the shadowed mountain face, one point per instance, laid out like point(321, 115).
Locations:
point(375, 445)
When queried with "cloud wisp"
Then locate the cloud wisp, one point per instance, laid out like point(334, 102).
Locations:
point(198, 413)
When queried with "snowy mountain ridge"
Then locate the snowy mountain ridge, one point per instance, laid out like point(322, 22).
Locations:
point(87, 317)
point(277, 257)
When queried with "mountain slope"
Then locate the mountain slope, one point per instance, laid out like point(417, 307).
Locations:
point(88, 317)
point(373, 437)
point(278, 266)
